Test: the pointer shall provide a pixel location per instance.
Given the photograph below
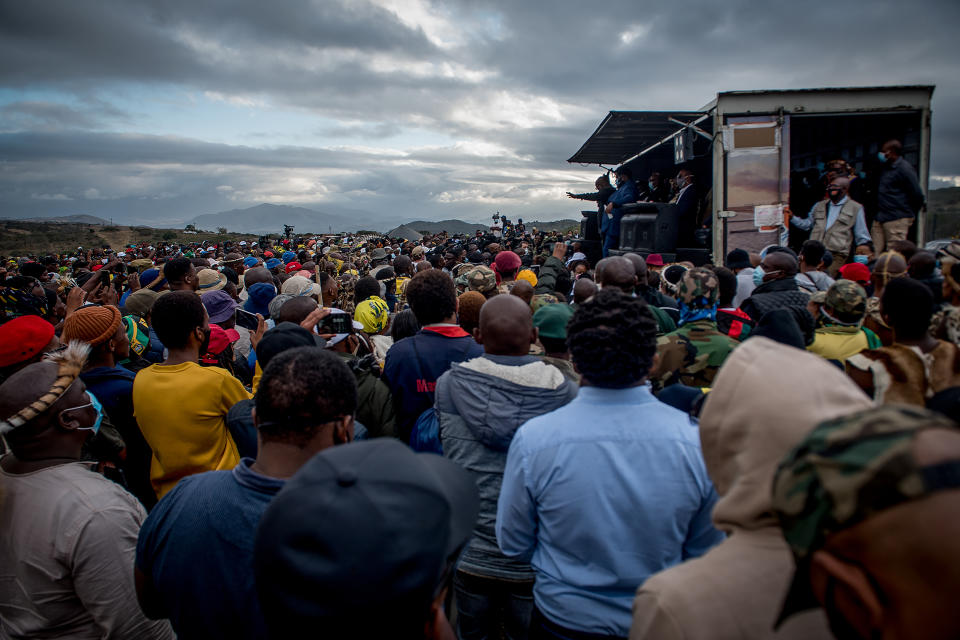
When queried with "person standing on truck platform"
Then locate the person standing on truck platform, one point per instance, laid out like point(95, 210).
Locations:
point(899, 197)
point(626, 193)
point(600, 196)
point(836, 222)
point(687, 208)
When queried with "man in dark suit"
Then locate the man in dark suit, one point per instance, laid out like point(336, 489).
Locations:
point(688, 208)
point(600, 196)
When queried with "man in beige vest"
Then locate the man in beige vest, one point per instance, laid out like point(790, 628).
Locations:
point(836, 222)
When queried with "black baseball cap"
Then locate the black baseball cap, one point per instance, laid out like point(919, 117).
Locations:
point(364, 527)
point(738, 259)
point(285, 335)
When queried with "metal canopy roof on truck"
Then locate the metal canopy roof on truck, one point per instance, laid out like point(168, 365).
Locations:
point(622, 134)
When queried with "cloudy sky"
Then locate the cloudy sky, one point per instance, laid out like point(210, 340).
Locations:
point(160, 110)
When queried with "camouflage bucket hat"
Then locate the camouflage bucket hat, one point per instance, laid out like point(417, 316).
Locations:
point(818, 297)
point(848, 301)
point(481, 279)
point(543, 299)
point(845, 471)
point(698, 288)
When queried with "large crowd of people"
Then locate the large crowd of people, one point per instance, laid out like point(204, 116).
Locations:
point(480, 437)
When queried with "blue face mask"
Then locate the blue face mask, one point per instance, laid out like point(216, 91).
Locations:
point(650, 184)
point(860, 259)
point(882, 156)
point(97, 407)
point(758, 276)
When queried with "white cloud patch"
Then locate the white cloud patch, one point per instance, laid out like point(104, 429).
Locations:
point(236, 100)
point(50, 196)
point(504, 109)
point(941, 182)
point(633, 33)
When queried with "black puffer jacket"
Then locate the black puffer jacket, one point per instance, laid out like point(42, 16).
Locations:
point(776, 294)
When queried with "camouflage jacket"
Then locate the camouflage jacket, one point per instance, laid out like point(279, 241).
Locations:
point(691, 355)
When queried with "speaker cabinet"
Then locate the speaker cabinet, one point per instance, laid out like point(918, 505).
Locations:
point(589, 230)
point(650, 227)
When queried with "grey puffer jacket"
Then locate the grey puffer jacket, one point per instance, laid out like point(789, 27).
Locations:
point(480, 404)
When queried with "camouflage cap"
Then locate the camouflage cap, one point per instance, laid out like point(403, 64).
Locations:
point(698, 288)
point(848, 301)
point(481, 279)
point(462, 269)
point(845, 471)
point(543, 299)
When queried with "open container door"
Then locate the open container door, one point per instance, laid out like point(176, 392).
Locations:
point(756, 186)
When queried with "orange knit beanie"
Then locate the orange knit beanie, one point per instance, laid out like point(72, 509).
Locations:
point(93, 325)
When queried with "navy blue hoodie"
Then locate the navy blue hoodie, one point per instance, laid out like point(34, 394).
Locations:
point(414, 365)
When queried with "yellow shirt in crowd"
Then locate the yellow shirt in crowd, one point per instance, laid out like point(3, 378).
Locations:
point(838, 346)
point(182, 410)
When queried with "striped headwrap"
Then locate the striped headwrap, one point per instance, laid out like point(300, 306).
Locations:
point(70, 363)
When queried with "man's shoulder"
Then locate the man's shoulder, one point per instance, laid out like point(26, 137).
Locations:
point(708, 334)
point(195, 494)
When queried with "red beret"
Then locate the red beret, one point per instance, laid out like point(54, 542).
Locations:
point(856, 272)
point(507, 261)
point(22, 338)
point(293, 266)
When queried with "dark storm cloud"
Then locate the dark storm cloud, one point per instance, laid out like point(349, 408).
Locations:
point(65, 41)
point(115, 148)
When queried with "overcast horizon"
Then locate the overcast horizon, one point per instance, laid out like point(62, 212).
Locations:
point(159, 112)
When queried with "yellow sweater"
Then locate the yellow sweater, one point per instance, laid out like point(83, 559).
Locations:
point(838, 346)
point(182, 410)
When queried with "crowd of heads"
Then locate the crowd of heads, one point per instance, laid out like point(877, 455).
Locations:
point(304, 327)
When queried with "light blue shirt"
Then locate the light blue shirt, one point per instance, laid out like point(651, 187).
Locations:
point(860, 233)
point(599, 495)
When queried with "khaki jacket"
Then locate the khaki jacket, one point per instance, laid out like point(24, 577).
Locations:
point(839, 237)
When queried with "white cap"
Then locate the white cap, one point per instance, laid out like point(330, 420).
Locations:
point(243, 243)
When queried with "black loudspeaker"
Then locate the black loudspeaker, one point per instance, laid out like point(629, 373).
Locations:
point(649, 227)
point(593, 250)
point(588, 226)
point(698, 257)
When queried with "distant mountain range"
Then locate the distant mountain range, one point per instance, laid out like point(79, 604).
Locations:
point(413, 230)
point(270, 218)
point(74, 219)
point(450, 226)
